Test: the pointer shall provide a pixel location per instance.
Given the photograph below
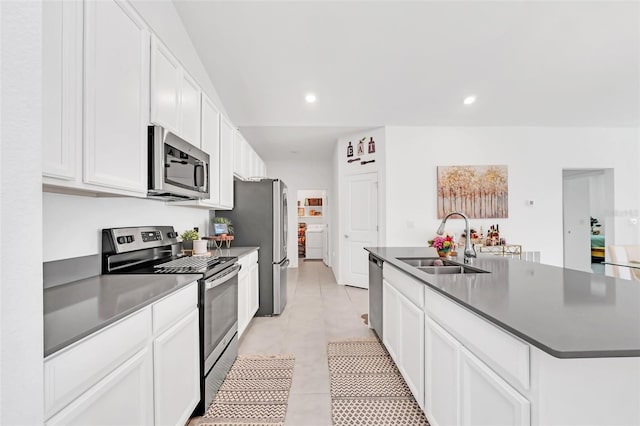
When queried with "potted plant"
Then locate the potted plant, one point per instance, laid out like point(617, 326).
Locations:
point(443, 244)
point(595, 224)
point(223, 221)
point(187, 238)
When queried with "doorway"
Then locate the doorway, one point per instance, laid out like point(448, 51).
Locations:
point(313, 225)
point(587, 195)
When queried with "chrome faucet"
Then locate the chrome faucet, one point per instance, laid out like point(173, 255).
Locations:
point(469, 251)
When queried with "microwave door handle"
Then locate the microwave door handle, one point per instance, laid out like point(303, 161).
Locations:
point(215, 282)
point(198, 175)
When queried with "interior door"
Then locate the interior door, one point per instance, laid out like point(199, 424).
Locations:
point(361, 226)
point(576, 224)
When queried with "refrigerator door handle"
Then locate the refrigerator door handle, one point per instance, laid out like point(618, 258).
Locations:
point(285, 263)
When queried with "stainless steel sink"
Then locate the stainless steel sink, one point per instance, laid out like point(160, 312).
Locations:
point(426, 261)
point(436, 265)
point(450, 269)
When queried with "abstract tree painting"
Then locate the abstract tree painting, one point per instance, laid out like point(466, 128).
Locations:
point(477, 191)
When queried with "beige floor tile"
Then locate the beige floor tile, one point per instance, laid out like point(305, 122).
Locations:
point(309, 409)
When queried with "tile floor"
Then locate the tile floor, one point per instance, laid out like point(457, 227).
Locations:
point(318, 310)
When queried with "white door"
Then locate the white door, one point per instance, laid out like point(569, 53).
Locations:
point(189, 110)
point(412, 347)
point(576, 224)
point(165, 87)
point(361, 226)
point(391, 320)
point(226, 163)
point(210, 143)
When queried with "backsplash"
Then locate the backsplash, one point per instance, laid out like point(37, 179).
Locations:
point(72, 224)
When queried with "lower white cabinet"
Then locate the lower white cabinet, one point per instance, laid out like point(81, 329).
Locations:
point(124, 397)
point(486, 399)
point(442, 360)
point(248, 289)
point(141, 370)
point(176, 371)
point(404, 337)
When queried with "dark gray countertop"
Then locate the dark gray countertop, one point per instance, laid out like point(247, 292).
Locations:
point(234, 251)
point(566, 313)
point(77, 309)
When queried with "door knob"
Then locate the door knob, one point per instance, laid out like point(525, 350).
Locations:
point(346, 236)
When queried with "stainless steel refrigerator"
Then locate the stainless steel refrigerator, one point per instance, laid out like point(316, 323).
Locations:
point(260, 218)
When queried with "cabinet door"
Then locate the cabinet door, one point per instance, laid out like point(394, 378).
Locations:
point(412, 347)
point(243, 301)
point(116, 96)
point(391, 320)
point(62, 89)
point(176, 371)
point(189, 109)
point(165, 87)
point(210, 143)
point(486, 399)
point(442, 361)
point(254, 290)
point(226, 163)
point(239, 152)
point(124, 397)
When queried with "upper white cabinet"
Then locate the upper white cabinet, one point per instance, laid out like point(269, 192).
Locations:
point(226, 163)
point(62, 89)
point(95, 122)
point(247, 163)
point(175, 95)
point(116, 95)
point(189, 110)
point(211, 145)
point(165, 86)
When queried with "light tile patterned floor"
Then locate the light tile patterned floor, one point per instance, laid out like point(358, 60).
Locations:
point(318, 310)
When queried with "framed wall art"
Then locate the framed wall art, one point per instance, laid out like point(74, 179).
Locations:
point(481, 192)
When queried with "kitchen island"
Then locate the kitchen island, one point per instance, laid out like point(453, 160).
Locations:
point(520, 344)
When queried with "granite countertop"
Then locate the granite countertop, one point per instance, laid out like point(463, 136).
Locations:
point(234, 251)
point(564, 312)
point(77, 309)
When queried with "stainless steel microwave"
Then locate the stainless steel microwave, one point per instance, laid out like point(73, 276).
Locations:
point(177, 170)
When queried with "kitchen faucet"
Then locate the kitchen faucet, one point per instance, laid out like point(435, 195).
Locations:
point(469, 251)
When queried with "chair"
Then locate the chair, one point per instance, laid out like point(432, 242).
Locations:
point(623, 254)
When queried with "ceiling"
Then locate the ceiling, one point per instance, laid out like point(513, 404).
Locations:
point(375, 63)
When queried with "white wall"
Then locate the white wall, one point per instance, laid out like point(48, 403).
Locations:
point(304, 174)
point(163, 18)
point(535, 157)
point(21, 329)
point(72, 223)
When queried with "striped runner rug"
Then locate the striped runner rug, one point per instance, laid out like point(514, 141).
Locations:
point(255, 392)
point(367, 388)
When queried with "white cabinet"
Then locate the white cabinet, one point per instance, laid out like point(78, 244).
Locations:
point(226, 163)
point(124, 397)
point(165, 87)
point(247, 163)
point(141, 368)
point(62, 90)
point(176, 371)
point(403, 324)
point(95, 97)
point(211, 145)
point(189, 122)
point(248, 289)
point(116, 96)
point(175, 95)
point(442, 360)
point(486, 399)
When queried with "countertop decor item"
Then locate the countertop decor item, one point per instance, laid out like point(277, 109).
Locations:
point(223, 221)
point(444, 244)
point(187, 238)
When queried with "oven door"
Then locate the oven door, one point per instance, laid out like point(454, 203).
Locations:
point(220, 307)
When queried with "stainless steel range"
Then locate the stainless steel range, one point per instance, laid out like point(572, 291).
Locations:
point(156, 250)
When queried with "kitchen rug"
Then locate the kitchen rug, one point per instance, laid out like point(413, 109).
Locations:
point(254, 393)
point(367, 388)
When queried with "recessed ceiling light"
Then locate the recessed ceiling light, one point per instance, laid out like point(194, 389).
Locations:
point(311, 98)
point(469, 100)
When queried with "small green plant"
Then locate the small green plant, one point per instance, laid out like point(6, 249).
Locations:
point(224, 220)
point(190, 235)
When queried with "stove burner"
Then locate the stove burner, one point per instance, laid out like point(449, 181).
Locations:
point(186, 264)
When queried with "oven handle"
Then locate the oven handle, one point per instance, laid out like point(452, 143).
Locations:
point(215, 282)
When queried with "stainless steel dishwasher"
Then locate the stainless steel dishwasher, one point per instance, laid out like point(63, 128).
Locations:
point(375, 294)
